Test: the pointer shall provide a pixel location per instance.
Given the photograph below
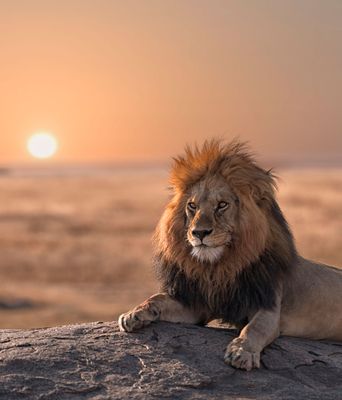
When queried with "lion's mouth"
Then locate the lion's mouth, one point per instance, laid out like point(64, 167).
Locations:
point(210, 243)
point(209, 246)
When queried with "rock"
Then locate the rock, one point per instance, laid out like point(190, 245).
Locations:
point(163, 361)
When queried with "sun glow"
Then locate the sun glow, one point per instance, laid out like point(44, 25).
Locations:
point(42, 145)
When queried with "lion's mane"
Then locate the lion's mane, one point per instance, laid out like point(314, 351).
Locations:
point(262, 253)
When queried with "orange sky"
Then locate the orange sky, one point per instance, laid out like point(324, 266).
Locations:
point(135, 80)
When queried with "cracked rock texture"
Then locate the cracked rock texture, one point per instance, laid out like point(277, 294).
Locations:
point(96, 361)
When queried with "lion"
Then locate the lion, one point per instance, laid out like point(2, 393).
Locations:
point(224, 250)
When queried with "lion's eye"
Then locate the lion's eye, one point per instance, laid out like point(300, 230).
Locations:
point(192, 206)
point(222, 204)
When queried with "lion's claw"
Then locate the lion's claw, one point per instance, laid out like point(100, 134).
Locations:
point(130, 322)
point(136, 319)
point(238, 357)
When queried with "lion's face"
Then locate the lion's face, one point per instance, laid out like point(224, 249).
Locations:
point(211, 211)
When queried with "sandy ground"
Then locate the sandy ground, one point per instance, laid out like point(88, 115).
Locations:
point(77, 248)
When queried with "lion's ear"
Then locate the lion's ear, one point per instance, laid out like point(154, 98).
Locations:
point(263, 186)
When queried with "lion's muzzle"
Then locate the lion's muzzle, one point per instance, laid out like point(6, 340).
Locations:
point(201, 233)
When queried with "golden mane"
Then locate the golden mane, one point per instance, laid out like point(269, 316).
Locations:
point(233, 161)
point(262, 226)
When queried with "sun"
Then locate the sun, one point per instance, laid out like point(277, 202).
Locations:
point(42, 145)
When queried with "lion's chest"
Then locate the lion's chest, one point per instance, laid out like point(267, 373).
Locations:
point(224, 302)
point(233, 302)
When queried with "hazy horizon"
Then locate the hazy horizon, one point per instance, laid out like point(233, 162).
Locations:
point(136, 167)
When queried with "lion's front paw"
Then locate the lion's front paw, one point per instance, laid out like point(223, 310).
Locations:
point(137, 318)
point(237, 356)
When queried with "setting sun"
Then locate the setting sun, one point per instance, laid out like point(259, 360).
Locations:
point(42, 145)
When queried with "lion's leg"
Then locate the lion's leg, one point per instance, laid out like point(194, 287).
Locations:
point(244, 351)
point(160, 307)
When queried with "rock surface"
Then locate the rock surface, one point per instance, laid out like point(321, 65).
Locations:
point(96, 361)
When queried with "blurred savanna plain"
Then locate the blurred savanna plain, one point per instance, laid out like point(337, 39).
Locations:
point(75, 245)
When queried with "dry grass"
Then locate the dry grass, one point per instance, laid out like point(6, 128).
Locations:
point(78, 248)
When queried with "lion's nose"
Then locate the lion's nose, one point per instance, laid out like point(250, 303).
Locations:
point(201, 234)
